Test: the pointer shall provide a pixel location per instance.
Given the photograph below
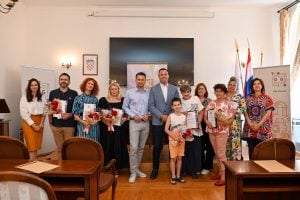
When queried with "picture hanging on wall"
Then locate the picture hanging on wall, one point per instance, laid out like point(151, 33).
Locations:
point(90, 64)
point(150, 69)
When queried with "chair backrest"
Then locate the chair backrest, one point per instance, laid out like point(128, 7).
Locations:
point(80, 148)
point(11, 148)
point(274, 149)
point(18, 185)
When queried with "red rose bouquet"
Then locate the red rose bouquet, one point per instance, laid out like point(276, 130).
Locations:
point(55, 106)
point(109, 117)
point(92, 118)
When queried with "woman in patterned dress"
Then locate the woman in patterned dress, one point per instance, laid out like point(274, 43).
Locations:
point(87, 128)
point(258, 115)
point(234, 145)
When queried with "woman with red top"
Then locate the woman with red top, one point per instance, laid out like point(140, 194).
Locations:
point(258, 115)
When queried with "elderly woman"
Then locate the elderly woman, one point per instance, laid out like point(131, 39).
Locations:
point(218, 117)
point(258, 115)
point(87, 100)
point(234, 145)
point(113, 138)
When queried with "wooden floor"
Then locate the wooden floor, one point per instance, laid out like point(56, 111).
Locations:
point(160, 188)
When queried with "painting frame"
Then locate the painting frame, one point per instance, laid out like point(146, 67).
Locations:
point(90, 64)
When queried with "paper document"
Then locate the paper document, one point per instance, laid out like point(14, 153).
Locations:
point(37, 166)
point(273, 166)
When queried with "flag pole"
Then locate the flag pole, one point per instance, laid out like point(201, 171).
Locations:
point(239, 62)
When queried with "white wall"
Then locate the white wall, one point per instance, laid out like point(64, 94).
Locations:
point(49, 33)
point(56, 32)
point(12, 56)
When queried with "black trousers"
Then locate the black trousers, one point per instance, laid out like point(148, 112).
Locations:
point(207, 152)
point(252, 142)
point(158, 133)
point(191, 161)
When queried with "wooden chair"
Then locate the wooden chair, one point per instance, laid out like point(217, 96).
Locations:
point(79, 148)
point(274, 149)
point(15, 184)
point(11, 148)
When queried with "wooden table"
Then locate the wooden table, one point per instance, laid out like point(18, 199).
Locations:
point(246, 180)
point(70, 178)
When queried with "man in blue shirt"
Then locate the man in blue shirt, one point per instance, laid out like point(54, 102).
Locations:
point(136, 106)
point(62, 124)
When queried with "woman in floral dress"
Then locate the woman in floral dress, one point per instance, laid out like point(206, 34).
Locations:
point(234, 144)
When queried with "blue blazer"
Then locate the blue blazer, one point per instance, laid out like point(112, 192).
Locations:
point(157, 105)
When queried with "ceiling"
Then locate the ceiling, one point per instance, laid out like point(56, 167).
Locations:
point(188, 3)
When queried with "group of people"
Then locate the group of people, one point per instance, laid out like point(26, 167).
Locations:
point(215, 125)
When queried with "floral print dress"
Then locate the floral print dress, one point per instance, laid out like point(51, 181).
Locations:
point(234, 145)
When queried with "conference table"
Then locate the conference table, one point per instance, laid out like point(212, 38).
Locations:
point(247, 180)
point(70, 179)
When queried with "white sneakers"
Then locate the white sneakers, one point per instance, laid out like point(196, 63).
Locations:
point(132, 178)
point(204, 171)
point(138, 173)
point(141, 174)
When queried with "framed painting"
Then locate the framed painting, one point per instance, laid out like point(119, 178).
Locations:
point(90, 64)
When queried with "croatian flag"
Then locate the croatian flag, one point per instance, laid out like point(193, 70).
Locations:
point(249, 76)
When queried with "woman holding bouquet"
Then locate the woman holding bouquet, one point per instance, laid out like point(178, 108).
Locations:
point(112, 128)
point(218, 118)
point(84, 105)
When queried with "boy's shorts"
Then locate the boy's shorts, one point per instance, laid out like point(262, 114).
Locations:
point(176, 148)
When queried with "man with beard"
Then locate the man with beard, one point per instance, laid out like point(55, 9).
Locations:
point(61, 121)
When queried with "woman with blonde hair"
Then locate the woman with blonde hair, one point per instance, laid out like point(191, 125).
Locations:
point(113, 136)
point(234, 144)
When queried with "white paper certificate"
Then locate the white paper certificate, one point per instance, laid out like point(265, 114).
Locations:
point(63, 108)
point(211, 117)
point(192, 120)
point(118, 117)
point(88, 109)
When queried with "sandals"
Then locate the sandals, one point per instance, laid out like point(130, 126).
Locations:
point(180, 179)
point(173, 181)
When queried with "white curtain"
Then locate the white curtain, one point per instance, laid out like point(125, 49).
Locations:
point(291, 57)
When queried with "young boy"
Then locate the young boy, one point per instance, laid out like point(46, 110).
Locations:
point(174, 123)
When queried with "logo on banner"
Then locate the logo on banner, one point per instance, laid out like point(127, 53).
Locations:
point(279, 79)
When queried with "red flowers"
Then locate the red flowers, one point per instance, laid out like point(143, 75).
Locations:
point(55, 105)
point(94, 116)
point(187, 133)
